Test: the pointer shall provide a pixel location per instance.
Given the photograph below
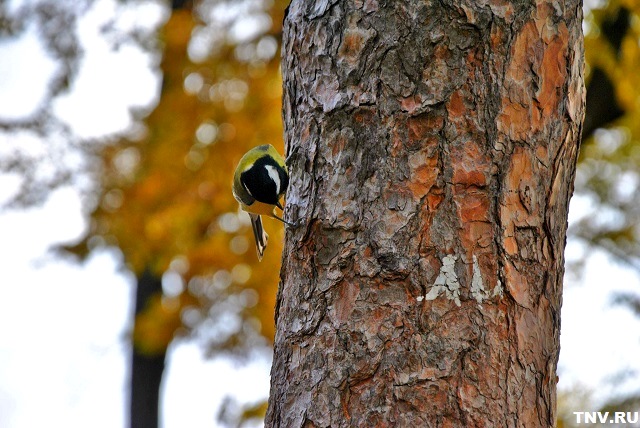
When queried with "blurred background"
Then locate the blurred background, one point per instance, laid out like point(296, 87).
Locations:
point(128, 277)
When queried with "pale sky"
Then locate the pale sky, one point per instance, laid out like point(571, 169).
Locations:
point(63, 348)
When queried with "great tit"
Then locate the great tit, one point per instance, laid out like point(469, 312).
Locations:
point(260, 181)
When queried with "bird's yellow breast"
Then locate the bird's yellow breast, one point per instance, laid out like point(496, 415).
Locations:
point(260, 208)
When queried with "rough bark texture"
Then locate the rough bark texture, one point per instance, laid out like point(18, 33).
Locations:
point(432, 149)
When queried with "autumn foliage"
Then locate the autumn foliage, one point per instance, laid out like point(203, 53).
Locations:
point(166, 197)
point(609, 157)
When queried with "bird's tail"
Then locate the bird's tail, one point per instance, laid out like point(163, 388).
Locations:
point(259, 234)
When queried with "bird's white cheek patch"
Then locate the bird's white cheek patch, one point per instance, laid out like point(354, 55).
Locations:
point(273, 173)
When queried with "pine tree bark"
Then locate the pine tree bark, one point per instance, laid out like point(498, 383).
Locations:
point(432, 150)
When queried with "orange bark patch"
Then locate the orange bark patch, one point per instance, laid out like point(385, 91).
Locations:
point(532, 333)
point(519, 206)
point(473, 206)
point(461, 112)
point(474, 212)
point(483, 233)
point(424, 171)
point(542, 154)
point(456, 106)
point(470, 165)
point(517, 284)
point(433, 200)
point(526, 49)
point(521, 176)
point(470, 396)
point(348, 292)
point(510, 245)
point(363, 116)
point(353, 42)
point(553, 72)
point(340, 140)
point(514, 120)
point(536, 72)
point(476, 238)
point(521, 173)
point(423, 126)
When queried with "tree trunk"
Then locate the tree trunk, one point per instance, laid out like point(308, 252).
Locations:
point(146, 368)
point(432, 149)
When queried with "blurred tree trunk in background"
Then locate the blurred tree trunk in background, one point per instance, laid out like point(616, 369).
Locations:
point(147, 365)
point(146, 368)
point(602, 107)
point(432, 150)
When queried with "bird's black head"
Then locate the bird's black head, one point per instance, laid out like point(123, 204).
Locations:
point(266, 181)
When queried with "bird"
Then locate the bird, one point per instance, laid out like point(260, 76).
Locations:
point(259, 182)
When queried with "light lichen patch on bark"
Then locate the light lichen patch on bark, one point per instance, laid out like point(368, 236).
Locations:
point(477, 284)
point(447, 281)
